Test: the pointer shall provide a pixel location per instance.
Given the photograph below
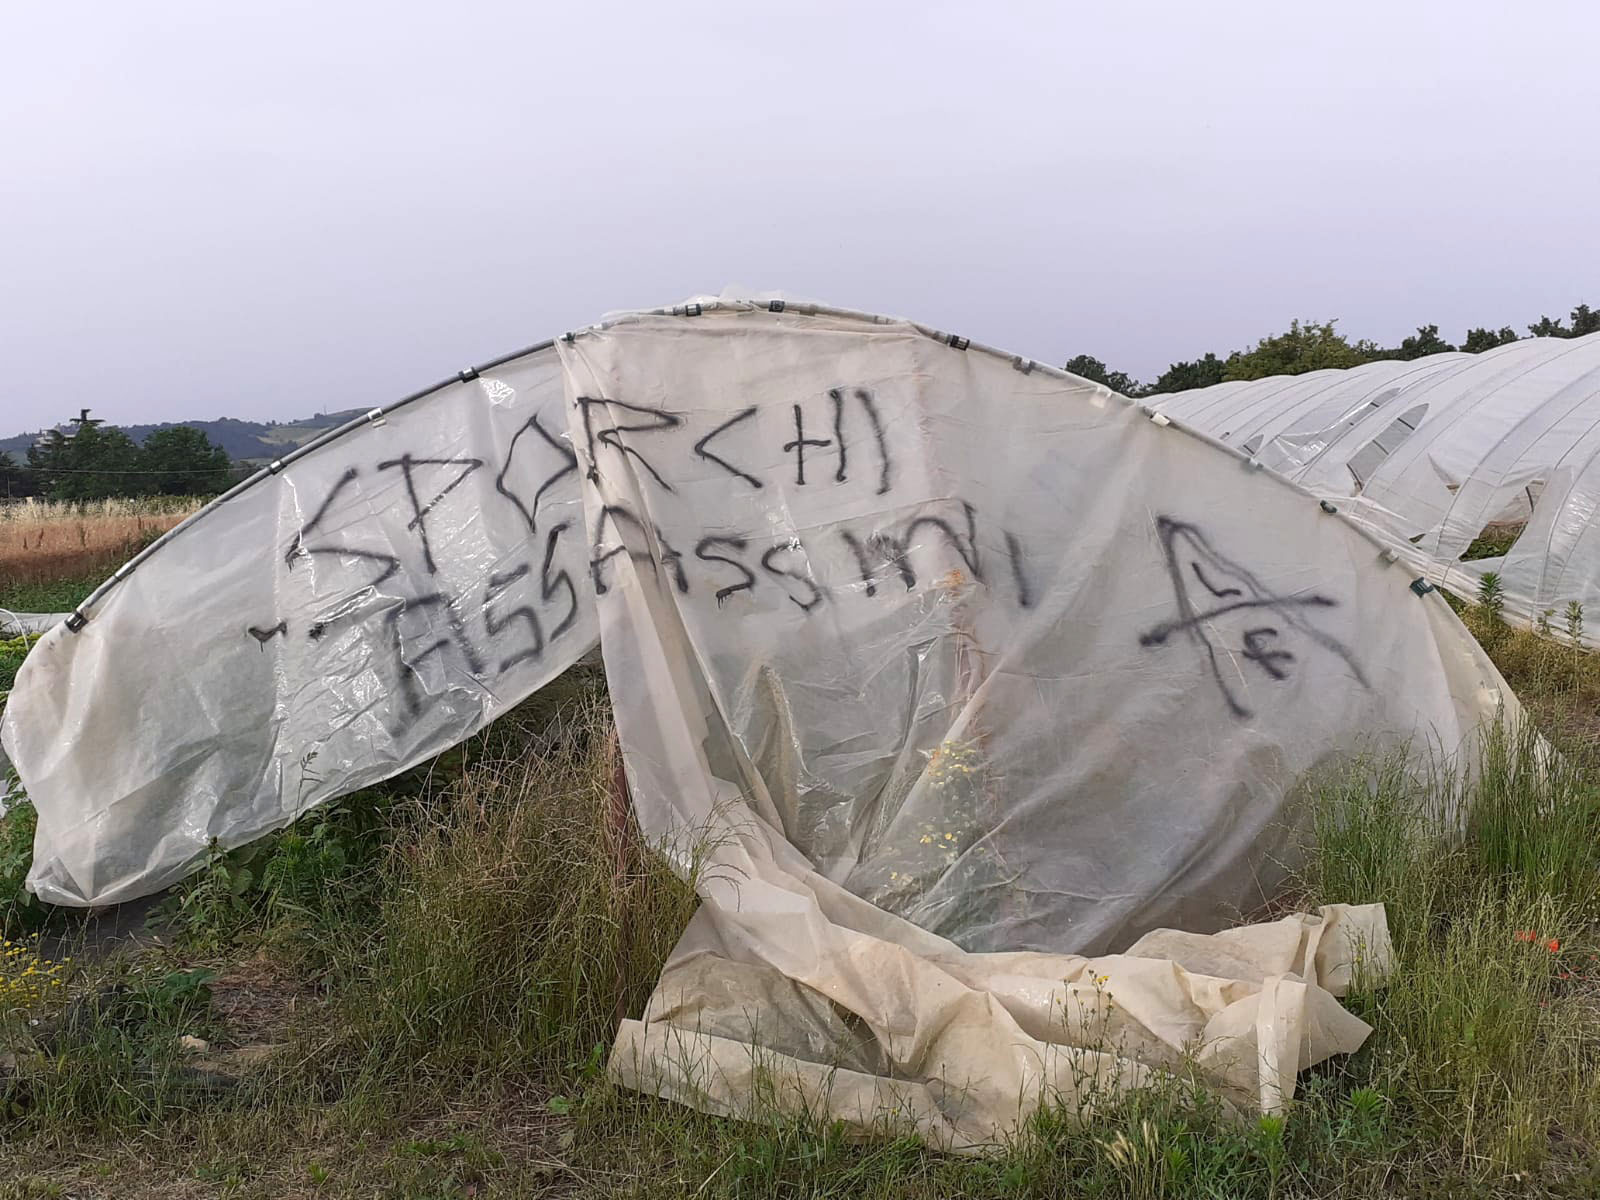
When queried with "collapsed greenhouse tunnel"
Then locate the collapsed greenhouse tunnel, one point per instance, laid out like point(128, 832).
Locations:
point(895, 663)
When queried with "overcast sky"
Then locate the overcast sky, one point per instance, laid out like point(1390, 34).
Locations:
point(261, 211)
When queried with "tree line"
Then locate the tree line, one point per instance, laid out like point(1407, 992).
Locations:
point(94, 461)
point(1315, 345)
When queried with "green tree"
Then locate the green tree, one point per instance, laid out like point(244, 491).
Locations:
point(1424, 342)
point(1094, 369)
point(1584, 321)
point(1182, 376)
point(1480, 339)
point(16, 480)
point(181, 461)
point(1306, 346)
point(91, 463)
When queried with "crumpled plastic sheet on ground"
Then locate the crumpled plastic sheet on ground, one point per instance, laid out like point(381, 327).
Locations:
point(941, 673)
point(955, 670)
point(985, 1038)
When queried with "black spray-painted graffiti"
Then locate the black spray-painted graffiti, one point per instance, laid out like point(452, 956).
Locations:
point(266, 635)
point(879, 553)
point(505, 621)
point(701, 449)
point(1231, 588)
point(839, 443)
point(422, 622)
point(505, 484)
point(419, 519)
point(657, 420)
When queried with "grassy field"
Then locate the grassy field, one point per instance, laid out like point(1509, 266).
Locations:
point(52, 553)
point(410, 993)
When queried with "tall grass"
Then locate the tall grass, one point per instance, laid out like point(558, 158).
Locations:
point(519, 919)
point(1488, 1039)
point(490, 939)
point(469, 969)
point(464, 943)
point(49, 550)
point(1555, 678)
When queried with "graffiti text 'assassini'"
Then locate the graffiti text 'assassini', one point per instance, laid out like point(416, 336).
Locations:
point(525, 605)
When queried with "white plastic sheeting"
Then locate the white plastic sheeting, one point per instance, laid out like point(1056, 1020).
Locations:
point(1428, 453)
point(952, 669)
point(368, 605)
point(14, 623)
point(960, 668)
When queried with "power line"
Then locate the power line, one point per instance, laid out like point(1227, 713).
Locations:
point(112, 471)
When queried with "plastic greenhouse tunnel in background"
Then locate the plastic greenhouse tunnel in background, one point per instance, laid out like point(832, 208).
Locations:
point(1433, 453)
point(962, 681)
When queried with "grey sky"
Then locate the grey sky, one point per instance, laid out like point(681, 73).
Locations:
point(215, 209)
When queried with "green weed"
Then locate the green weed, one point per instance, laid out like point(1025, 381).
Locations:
point(464, 940)
point(12, 652)
point(1492, 602)
point(1479, 1051)
point(20, 912)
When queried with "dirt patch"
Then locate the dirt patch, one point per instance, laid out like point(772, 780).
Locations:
point(257, 1000)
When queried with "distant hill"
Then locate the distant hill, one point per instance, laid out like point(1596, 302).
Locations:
point(245, 441)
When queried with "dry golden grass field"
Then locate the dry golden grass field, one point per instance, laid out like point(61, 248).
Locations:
point(43, 543)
